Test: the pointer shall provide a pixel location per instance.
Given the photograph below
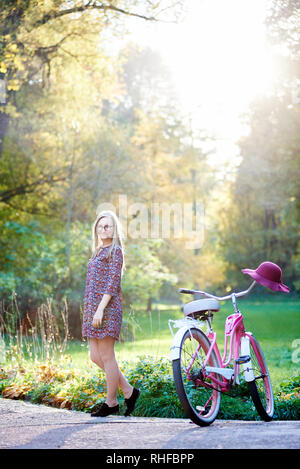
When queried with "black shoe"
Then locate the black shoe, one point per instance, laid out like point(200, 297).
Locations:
point(105, 410)
point(130, 402)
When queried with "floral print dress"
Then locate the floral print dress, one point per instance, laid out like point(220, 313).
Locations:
point(103, 276)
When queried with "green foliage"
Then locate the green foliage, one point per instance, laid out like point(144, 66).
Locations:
point(155, 380)
point(34, 263)
point(287, 401)
point(291, 385)
point(58, 384)
point(145, 273)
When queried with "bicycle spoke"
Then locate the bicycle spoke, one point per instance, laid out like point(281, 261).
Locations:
point(261, 388)
point(205, 405)
point(200, 400)
point(261, 377)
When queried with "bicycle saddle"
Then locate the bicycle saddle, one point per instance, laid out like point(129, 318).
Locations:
point(196, 308)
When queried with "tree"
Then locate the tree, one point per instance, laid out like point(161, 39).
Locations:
point(62, 131)
point(283, 24)
point(33, 34)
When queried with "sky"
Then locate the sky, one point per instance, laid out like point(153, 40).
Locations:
point(219, 60)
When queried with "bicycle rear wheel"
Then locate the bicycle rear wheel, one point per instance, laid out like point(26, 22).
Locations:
point(199, 396)
point(260, 388)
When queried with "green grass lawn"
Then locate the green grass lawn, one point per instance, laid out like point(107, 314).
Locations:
point(274, 321)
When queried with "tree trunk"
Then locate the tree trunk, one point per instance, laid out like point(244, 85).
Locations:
point(4, 121)
point(149, 304)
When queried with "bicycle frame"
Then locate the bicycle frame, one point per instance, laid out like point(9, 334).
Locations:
point(239, 340)
point(234, 331)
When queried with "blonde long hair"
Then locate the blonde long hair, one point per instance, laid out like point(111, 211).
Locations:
point(117, 239)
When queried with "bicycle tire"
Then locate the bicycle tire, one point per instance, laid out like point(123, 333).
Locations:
point(200, 403)
point(260, 388)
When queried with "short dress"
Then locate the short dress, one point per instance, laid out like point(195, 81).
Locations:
point(103, 276)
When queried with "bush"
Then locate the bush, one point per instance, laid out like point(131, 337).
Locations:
point(287, 401)
point(155, 380)
point(57, 384)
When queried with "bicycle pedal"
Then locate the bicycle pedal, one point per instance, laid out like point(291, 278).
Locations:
point(196, 375)
point(243, 359)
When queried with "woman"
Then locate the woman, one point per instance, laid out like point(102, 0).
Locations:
point(102, 317)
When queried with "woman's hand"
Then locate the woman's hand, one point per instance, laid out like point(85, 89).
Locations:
point(98, 317)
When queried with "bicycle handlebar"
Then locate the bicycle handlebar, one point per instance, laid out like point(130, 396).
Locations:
point(220, 298)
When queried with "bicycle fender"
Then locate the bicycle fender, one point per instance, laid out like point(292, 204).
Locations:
point(175, 349)
point(245, 350)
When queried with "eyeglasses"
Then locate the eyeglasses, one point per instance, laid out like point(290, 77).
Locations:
point(105, 227)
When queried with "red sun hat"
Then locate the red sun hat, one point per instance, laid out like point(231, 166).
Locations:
point(269, 275)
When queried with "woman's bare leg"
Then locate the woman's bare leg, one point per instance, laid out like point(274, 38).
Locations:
point(94, 354)
point(102, 353)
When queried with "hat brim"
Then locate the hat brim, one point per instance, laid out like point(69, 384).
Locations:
point(274, 286)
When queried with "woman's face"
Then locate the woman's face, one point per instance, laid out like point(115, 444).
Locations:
point(105, 228)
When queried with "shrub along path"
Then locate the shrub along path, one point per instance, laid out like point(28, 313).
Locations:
point(29, 426)
point(58, 384)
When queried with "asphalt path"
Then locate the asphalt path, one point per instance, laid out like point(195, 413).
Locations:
point(28, 426)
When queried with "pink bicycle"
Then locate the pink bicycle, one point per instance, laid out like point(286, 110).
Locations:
point(200, 373)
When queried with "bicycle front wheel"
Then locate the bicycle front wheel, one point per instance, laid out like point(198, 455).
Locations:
point(199, 396)
point(260, 388)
